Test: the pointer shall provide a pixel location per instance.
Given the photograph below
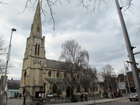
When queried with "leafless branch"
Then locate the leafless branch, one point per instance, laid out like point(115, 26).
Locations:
point(50, 5)
point(138, 29)
point(91, 5)
point(75, 60)
point(1, 2)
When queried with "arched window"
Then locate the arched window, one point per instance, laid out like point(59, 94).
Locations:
point(78, 76)
point(25, 77)
point(35, 49)
point(57, 74)
point(78, 89)
point(54, 89)
point(71, 75)
point(38, 28)
point(96, 88)
point(38, 49)
point(49, 73)
point(65, 75)
point(86, 90)
point(44, 87)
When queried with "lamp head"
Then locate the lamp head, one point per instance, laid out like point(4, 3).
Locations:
point(13, 29)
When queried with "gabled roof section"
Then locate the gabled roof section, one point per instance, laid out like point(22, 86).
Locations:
point(36, 30)
point(13, 84)
point(53, 64)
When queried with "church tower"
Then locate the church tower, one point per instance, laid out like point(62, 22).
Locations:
point(34, 58)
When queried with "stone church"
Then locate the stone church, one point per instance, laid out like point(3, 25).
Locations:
point(41, 75)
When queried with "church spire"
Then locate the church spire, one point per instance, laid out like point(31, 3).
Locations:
point(36, 30)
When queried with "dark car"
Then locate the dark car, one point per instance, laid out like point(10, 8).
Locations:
point(73, 99)
point(133, 96)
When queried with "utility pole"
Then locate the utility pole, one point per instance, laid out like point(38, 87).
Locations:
point(127, 77)
point(125, 84)
point(8, 57)
point(130, 51)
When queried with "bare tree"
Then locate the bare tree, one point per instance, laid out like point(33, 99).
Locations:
point(2, 57)
point(91, 6)
point(75, 66)
point(2, 52)
point(109, 77)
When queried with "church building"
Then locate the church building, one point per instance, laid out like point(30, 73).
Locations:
point(42, 75)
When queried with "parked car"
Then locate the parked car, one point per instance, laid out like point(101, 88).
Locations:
point(133, 96)
point(73, 99)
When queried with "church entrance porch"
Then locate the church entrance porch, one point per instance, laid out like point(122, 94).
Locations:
point(69, 91)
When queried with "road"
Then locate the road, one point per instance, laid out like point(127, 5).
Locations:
point(15, 102)
point(123, 102)
point(104, 102)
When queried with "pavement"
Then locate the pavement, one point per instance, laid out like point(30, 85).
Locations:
point(90, 102)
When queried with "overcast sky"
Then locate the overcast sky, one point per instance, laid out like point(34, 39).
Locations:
point(99, 33)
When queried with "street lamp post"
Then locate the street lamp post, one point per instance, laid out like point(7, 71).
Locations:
point(8, 57)
point(130, 51)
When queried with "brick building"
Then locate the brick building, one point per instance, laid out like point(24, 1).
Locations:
point(130, 80)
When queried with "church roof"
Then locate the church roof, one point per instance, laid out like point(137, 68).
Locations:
point(13, 84)
point(54, 79)
point(56, 65)
point(53, 64)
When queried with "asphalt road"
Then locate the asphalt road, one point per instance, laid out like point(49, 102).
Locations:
point(123, 102)
point(15, 102)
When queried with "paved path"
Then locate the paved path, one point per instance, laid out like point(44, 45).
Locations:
point(15, 102)
point(90, 102)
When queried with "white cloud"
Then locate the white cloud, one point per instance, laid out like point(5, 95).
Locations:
point(99, 33)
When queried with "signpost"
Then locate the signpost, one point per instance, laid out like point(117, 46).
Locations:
point(121, 85)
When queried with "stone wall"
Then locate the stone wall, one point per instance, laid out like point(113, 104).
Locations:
point(38, 101)
point(4, 98)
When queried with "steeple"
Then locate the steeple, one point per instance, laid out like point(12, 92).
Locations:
point(36, 29)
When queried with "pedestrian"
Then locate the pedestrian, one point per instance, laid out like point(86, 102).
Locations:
point(86, 97)
point(112, 95)
point(81, 97)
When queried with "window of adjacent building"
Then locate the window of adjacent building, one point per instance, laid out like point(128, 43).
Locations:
point(49, 73)
point(130, 82)
point(78, 89)
point(54, 89)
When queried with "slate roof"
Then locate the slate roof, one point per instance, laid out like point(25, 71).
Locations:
point(13, 84)
point(53, 63)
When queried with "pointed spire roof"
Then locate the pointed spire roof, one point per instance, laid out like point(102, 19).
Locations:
point(36, 30)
